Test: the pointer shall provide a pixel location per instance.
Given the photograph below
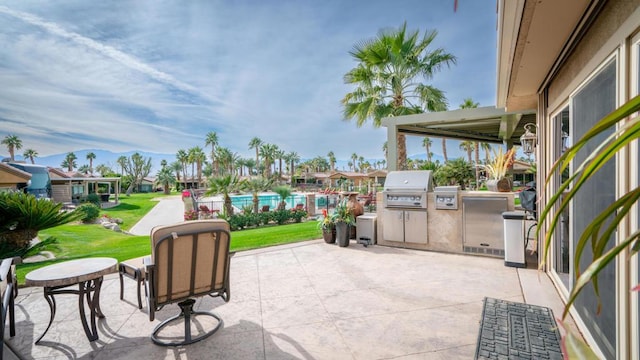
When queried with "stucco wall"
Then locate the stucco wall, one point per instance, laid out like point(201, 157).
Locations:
point(599, 42)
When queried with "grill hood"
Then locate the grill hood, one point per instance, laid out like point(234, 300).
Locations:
point(413, 180)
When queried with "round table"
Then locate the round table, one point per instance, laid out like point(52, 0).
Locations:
point(87, 273)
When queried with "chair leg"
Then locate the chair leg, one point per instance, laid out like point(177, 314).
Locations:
point(139, 298)
point(121, 286)
point(186, 313)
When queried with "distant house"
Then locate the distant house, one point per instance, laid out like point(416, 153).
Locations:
point(68, 187)
point(147, 185)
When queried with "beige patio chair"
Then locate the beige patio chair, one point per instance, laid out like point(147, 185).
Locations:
point(189, 259)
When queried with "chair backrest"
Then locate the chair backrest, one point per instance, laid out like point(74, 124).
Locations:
point(190, 259)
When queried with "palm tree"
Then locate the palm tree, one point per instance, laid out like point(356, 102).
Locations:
point(468, 103)
point(256, 143)
point(69, 161)
point(332, 160)
point(182, 156)
point(426, 142)
point(360, 162)
point(225, 185)
point(486, 147)
point(212, 139)
point(388, 78)
point(294, 158)
point(176, 167)
point(250, 164)
point(444, 149)
point(30, 154)
point(467, 146)
point(84, 169)
point(267, 151)
point(91, 156)
point(284, 192)
point(165, 177)
point(257, 185)
point(122, 161)
point(354, 158)
point(13, 143)
point(163, 163)
point(279, 155)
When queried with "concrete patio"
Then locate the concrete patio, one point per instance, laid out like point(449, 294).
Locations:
point(309, 300)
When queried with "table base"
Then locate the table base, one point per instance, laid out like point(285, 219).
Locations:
point(89, 290)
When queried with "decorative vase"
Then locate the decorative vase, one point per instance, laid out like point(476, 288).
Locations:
point(504, 185)
point(329, 235)
point(342, 234)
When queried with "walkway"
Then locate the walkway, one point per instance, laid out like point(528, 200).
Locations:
point(309, 300)
point(169, 210)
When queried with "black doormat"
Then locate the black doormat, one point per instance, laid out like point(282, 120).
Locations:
point(511, 330)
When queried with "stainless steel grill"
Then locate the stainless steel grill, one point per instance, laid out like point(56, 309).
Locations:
point(404, 212)
point(407, 189)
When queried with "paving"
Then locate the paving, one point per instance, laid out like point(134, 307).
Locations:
point(169, 210)
point(309, 300)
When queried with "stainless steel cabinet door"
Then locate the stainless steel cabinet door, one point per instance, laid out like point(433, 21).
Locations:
point(415, 227)
point(393, 225)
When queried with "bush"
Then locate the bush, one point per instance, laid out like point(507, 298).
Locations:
point(93, 199)
point(281, 216)
point(298, 215)
point(88, 212)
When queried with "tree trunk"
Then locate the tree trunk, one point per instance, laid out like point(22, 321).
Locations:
point(444, 149)
point(402, 151)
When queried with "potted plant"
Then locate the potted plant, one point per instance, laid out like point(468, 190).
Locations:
point(328, 227)
point(497, 169)
point(343, 218)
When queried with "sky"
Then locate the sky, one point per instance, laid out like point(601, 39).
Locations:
point(157, 76)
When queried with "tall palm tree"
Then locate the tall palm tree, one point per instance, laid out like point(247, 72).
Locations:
point(426, 142)
point(354, 158)
point(176, 167)
point(250, 164)
point(389, 78)
point(467, 146)
point(13, 143)
point(256, 143)
point(183, 157)
point(332, 160)
point(122, 161)
point(267, 151)
point(30, 154)
point(360, 162)
point(294, 158)
point(69, 161)
point(279, 155)
point(163, 163)
point(444, 149)
point(91, 156)
point(212, 139)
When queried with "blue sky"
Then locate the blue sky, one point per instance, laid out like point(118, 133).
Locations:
point(158, 75)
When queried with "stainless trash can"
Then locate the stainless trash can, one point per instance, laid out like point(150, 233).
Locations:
point(514, 238)
point(366, 229)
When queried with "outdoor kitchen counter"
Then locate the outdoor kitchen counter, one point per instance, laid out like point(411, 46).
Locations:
point(444, 227)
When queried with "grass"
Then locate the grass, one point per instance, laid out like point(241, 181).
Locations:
point(78, 240)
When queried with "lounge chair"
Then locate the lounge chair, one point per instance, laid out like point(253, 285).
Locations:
point(265, 208)
point(188, 260)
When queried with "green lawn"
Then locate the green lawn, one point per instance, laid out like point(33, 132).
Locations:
point(81, 240)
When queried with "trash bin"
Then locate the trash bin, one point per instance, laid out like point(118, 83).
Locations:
point(366, 229)
point(514, 238)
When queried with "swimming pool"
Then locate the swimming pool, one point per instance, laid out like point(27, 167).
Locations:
point(241, 201)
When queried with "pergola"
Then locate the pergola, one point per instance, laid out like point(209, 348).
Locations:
point(484, 124)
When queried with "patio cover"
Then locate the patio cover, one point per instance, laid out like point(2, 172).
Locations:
point(484, 124)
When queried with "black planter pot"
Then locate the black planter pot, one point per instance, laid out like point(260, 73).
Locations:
point(342, 234)
point(104, 197)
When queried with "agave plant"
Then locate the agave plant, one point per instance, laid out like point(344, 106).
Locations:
point(598, 233)
point(22, 216)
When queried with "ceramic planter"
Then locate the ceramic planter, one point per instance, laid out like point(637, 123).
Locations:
point(342, 234)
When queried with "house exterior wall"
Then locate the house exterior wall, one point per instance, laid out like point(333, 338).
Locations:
point(607, 39)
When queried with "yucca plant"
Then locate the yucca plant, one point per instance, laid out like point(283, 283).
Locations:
point(599, 231)
point(22, 216)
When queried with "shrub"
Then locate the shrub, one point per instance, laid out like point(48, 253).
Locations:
point(298, 215)
point(88, 212)
point(281, 216)
point(190, 215)
point(93, 199)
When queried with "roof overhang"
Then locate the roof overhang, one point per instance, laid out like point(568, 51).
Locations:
point(485, 124)
point(532, 35)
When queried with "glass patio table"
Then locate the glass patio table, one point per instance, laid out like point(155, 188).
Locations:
point(58, 278)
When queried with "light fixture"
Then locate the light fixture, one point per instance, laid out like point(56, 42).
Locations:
point(529, 140)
